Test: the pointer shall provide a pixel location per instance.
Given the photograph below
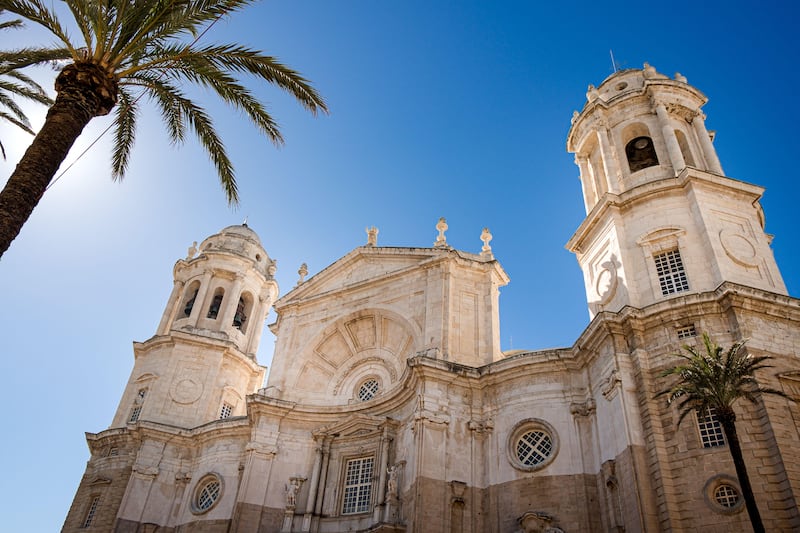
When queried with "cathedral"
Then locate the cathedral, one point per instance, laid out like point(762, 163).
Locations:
point(390, 406)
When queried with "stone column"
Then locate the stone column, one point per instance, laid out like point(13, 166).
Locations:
point(709, 153)
point(312, 489)
point(323, 476)
point(590, 195)
point(200, 303)
point(609, 161)
point(172, 308)
point(673, 148)
point(226, 321)
point(382, 476)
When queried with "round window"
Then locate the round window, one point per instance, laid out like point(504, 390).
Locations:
point(726, 496)
point(533, 445)
point(368, 389)
point(722, 494)
point(207, 494)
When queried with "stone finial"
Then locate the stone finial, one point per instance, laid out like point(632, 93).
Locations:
point(649, 70)
point(272, 268)
point(575, 116)
point(192, 251)
point(303, 272)
point(441, 240)
point(372, 236)
point(680, 77)
point(592, 94)
point(486, 237)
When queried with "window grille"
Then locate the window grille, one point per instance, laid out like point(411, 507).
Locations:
point(208, 494)
point(671, 274)
point(368, 390)
point(358, 485)
point(726, 496)
point(687, 332)
point(91, 512)
point(534, 447)
point(135, 412)
point(711, 433)
point(226, 411)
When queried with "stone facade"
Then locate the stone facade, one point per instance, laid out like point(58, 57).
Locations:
point(390, 406)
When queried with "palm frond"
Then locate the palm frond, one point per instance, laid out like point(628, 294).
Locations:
point(124, 133)
point(714, 377)
point(177, 110)
point(36, 11)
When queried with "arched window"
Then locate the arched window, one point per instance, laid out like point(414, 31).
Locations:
point(239, 317)
point(216, 303)
point(190, 297)
point(641, 153)
point(243, 309)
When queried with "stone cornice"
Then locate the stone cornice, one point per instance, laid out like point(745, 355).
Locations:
point(727, 295)
point(228, 348)
point(687, 178)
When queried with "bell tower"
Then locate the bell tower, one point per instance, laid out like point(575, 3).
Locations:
point(201, 363)
point(662, 219)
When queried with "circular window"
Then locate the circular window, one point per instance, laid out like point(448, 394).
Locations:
point(722, 494)
point(533, 445)
point(368, 389)
point(726, 496)
point(207, 494)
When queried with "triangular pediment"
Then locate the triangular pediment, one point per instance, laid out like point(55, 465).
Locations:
point(362, 265)
point(356, 425)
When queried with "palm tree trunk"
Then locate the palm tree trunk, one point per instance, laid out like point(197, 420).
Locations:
point(728, 423)
point(82, 95)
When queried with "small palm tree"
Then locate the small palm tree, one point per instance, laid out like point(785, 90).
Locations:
point(14, 83)
point(128, 49)
point(715, 378)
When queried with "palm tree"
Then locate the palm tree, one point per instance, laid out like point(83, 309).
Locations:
point(14, 83)
point(129, 49)
point(715, 378)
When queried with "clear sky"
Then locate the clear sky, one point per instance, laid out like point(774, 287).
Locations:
point(456, 109)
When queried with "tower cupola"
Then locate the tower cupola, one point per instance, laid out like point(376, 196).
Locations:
point(201, 363)
point(662, 219)
point(636, 127)
point(224, 291)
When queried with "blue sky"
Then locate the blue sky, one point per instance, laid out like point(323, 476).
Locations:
point(453, 109)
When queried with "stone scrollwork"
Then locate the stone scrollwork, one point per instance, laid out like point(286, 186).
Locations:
point(583, 409)
point(481, 426)
point(537, 522)
point(611, 385)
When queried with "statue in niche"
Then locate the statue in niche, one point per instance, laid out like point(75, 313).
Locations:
point(391, 484)
point(291, 491)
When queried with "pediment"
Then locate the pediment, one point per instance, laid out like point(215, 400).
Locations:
point(364, 264)
point(357, 425)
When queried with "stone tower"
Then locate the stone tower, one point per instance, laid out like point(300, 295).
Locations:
point(201, 363)
point(661, 216)
point(198, 368)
